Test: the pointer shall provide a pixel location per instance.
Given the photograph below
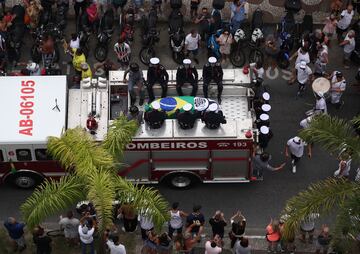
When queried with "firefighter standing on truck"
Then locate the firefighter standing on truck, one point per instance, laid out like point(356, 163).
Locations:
point(186, 73)
point(156, 74)
point(212, 71)
point(135, 79)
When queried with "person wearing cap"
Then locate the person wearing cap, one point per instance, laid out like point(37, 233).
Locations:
point(85, 71)
point(16, 232)
point(263, 120)
point(155, 117)
point(187, 118)
point(296, 148)
point(349, 47)
point(156, 74)
point(320, 105)
point(265, 136)
point(305, 123)
point(257, 70)
point(302, 74)
point(301, 54)
point(196, 221)
point(261, 107)
point(135, 114)
point(338, 86)
point(136, 79)
point(261, 163)
point(86, 233)
point(186, 73)
point(213, 117)
point(322, 60)
point(212, 71)
point(123, 52)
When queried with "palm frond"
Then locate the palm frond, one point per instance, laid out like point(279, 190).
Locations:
point(356, 120)
point(101, 192)
point(120, 133)
point(77, 149)
point(147, 201)
point(50, 198)
point(333, 134)
point(322, 197)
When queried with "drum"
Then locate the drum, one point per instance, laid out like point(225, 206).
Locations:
point(321, 85)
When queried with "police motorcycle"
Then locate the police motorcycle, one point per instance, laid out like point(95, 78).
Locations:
point(104, 35)
point(176, 35)
point(237, 56)
point(286, 31)
point(257, 37)
point(16, 33)
point(127, 24)
point(49, 30)
point(150, 36)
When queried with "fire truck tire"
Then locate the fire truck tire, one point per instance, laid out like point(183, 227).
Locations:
point(181, 180)
point(25, 180)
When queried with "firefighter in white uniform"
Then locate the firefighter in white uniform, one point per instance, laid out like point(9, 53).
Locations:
point(338, 86)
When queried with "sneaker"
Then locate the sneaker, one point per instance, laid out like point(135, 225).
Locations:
point(294, 169)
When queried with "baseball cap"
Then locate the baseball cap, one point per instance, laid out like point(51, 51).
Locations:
point(154, 60)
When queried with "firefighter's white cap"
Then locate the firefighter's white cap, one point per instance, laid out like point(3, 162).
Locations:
point(212, 60)
point(266, 107)
point(213, 107)
point(186, 61)
point(266, 96)
point(264, 130)
point(264, 117)
point(187, 107)
point(154, 60)
point(155, 105)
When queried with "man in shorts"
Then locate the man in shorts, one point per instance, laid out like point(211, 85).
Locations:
point(296, 147)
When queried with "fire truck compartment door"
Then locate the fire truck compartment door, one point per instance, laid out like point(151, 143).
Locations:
point(181, 160)
point(230, 164)
point(137, 165)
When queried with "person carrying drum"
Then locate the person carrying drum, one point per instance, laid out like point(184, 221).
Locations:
point(212, 71)
point(186, 73)
point(338, 86)
point(135, 79)
point(156, 74)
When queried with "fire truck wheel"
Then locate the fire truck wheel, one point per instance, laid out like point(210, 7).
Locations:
point(181, 180)
point(26, 180)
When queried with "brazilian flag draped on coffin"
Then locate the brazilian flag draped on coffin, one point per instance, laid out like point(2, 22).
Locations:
point(171, 104)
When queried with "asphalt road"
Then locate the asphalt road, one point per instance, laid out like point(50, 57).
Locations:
point(259, 201)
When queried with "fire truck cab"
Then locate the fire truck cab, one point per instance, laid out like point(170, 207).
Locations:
point(169, 154)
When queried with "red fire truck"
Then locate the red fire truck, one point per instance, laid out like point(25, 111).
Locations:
point(40, 106)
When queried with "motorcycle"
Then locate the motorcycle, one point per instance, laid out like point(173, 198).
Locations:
point(104, 36)
point(61, 15)
point(286, 31)
point(47, 12)
point(84, 42)
point(127, 25)
point(150, 36)
point(16, 33)
point(176, 35)
point(256, 55)
point(237, 56)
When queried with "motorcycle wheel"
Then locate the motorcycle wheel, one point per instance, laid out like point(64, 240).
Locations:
point(178, 57)
point(237, 58)
point(100, 53)
point(35, 54)
point(256, 56)
point(145, 54)
point(282, 61)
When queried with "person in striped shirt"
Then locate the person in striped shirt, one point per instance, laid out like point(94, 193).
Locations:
point(123, 53)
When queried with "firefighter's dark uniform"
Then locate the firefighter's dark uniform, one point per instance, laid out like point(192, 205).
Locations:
point(213, 119)
point(157, 74)
point(155, 118)
point(186, 75)
point(212, 73)
point(186, 119)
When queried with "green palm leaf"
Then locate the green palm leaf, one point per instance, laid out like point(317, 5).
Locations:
point(333, 134)
point(52, 197)
point(147, 201)
point(120, 133)
point(101, 192)
point(322, 197)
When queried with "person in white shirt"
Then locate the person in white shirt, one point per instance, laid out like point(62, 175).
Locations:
point(322, 60)
point(349, 46)
point(257, 70)
point(192, 41)
point(146, 225)
point(296, 148)
point(176, 219)
point(212, 248)
point(75, 41)
point(86, 234)
point(302, 73)
point(344, 21)
point(338, 86)
point(70, 226)
point(320, 104)
point(301, 54)
point(115, 247)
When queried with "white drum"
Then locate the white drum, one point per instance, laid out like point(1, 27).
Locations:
point(321, 85)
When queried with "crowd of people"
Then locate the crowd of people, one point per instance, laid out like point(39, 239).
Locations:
point(186, 233)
